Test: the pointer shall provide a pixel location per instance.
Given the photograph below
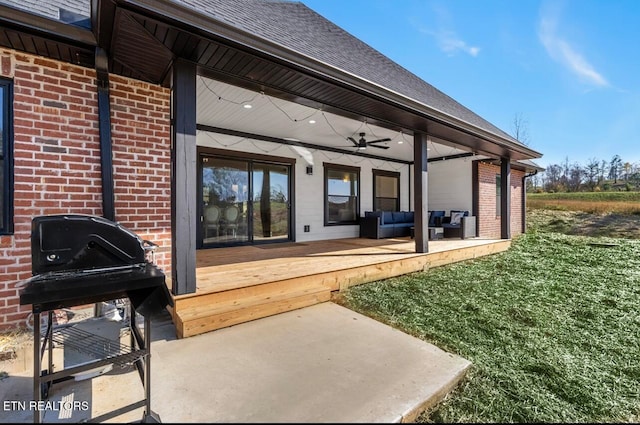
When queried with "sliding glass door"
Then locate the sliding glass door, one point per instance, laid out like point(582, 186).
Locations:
point(225, 201)
point(270, 202)
point(244, 201)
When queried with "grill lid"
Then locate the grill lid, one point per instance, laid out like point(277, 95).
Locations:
point(80, 242)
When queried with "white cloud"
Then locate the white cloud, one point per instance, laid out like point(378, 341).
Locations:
point(450, 43)
point(447, 39)
point(561, 51)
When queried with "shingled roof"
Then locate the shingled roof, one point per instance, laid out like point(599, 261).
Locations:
point(300, 29)
point(76, 12)
point(297, 29)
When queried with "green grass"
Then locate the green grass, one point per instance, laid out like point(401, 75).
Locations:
point(552, 327)
point(588, 196)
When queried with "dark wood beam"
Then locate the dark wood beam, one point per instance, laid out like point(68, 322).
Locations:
point(505, 198)
point(448, 157)
point(475, 194)
point(183, 178)
point(420, 183)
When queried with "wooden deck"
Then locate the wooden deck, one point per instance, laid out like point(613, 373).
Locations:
point(238, 284)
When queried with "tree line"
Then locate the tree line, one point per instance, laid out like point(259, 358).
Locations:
point(595, 175)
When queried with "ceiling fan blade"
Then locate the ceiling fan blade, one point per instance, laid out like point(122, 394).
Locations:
point(386, 139)
point(352, 141)
point(379, 147)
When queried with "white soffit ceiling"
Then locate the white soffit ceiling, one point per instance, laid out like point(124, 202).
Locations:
point(223, 105)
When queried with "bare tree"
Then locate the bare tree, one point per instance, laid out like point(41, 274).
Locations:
point(576, 177)
point(565, 172)
point(521, 128)
point(592, 169)
point(627, 170)
point(553, 175)
point(614, 168)
point(602, 171)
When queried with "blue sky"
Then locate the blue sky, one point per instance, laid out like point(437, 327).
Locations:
point(569, 68)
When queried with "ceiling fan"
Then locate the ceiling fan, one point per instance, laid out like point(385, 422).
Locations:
point(362, 143)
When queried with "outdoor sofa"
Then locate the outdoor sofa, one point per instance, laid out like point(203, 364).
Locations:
point(391, 224)
point(386, 224)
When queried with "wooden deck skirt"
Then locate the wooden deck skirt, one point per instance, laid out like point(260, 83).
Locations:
point(239, 284)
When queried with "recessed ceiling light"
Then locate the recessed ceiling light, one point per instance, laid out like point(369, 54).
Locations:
point(400, 142)
point(247, 106)
point(312, 121)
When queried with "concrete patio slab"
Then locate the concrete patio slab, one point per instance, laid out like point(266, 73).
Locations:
point(323, 363)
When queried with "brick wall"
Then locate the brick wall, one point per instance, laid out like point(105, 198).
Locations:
point(140, 129)
point(488, 220)
point(57, 159)
point(516, 202)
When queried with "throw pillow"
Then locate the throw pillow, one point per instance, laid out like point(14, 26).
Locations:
point(456, 216)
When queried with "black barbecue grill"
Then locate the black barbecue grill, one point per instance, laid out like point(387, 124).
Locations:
point(78, 260)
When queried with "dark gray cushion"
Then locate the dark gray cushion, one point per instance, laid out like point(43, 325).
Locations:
point(433, 215)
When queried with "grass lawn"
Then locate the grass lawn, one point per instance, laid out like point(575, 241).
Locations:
point(589, 202)
point(552, 327)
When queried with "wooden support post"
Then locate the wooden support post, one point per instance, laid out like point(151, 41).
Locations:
point(475, 195)
point(421, 213)
point(183, 178)
point(505, 198)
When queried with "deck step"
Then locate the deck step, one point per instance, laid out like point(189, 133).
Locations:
point(200, 318)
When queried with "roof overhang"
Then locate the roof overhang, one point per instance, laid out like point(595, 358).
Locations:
point(24, 31)
point(301, 78)
point(144, 37)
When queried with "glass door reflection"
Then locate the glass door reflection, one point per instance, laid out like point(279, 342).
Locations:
point(225, 201)
point(270, 183)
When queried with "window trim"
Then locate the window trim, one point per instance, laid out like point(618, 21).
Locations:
point(6, 224)
point(385, 173)
point(339, 167)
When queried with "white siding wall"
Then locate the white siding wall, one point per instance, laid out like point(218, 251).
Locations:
point(309, 189)
point(450, 185)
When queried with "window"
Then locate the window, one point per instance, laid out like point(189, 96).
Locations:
point(498, 195)
point(386, 191)
point(6, 161)
point(342, 193)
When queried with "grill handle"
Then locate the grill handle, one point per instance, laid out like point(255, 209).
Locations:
point(149, 250)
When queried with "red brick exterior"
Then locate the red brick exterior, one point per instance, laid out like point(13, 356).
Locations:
point(57, 160)
point(488, 220)
point(516, 201)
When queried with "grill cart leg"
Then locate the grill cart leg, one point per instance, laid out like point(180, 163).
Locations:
point(37, 415)
point(41, 385)
point(149, 415)
point(143, 364)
